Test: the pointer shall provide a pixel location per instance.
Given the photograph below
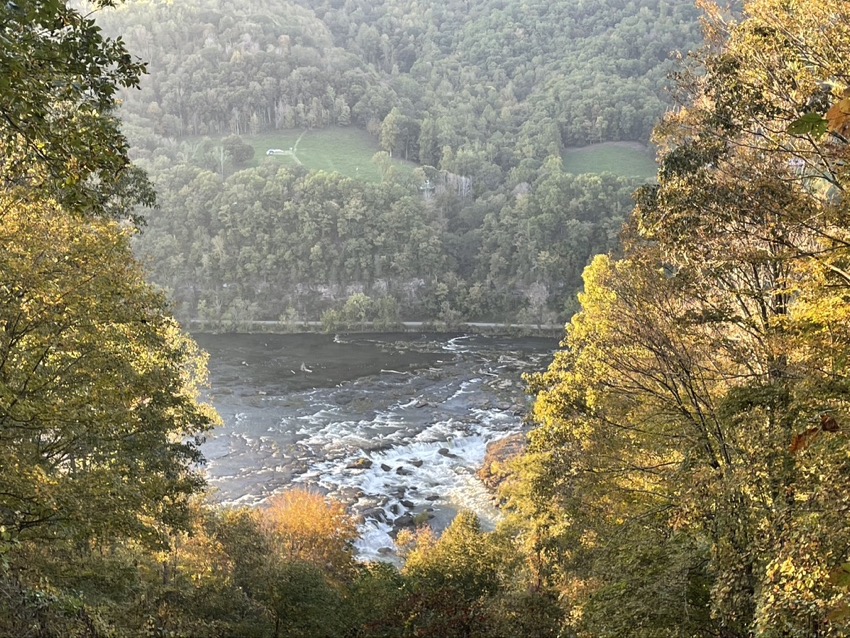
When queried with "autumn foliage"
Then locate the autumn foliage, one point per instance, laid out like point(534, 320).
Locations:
point(304, 526)
point(688, 472)
point(688, 476)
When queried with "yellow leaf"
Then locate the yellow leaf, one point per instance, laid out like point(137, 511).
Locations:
point(839, 116)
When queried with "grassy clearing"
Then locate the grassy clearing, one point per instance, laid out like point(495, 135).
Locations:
point(628, 159)
point(347, 151)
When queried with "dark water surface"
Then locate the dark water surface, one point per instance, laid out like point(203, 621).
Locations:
point(393, 425)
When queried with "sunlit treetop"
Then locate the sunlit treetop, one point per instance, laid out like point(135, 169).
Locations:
point(100, 422)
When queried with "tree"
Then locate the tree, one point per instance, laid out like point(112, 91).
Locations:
point(99, 419)
point(303, 526)
point(391, 131)
point(302, 602)
point(288, 562)
point(699, 401)
point(378, 600)
point(237, 150)
point(452, 578)
point(58, 82)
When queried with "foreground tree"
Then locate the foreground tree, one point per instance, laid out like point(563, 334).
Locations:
point(100, 422)
point(303, 527)
point(58, 82)
point(470, 584)
point(700, 404)
point(99, 418)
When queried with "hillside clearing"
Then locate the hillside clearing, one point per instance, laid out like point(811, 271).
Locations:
point(627, 159)
point(344, 150)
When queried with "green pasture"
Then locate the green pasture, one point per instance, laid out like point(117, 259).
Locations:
point(621, 158)
point(347, 151)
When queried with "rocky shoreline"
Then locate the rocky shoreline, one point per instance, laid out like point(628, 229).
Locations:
point(495, 469)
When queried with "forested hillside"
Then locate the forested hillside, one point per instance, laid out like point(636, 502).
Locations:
point(506, 81)
point(470, 106)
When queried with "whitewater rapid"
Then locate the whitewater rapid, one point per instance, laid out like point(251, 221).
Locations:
point(394, 426)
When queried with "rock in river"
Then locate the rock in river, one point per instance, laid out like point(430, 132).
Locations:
point(360, 464)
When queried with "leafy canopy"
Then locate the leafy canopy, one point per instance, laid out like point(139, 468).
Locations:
point(701, 400)
point(58, 82)
point(99, 419)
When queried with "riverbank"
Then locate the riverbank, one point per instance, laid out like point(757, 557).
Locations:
point(365, 327)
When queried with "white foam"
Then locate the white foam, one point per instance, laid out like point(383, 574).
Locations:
point(374, 537)
point(440, 461)
point(452, 345)
point(464, 389)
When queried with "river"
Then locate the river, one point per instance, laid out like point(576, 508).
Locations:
point(393, 425)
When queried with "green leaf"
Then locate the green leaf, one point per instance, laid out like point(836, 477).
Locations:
point(809, 124)
point(841, 576)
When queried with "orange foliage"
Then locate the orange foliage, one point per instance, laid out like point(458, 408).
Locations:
point(302, 525)
point(839, 117)
point(802, 441)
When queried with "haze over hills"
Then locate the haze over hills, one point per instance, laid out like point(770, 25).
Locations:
point(450, 203)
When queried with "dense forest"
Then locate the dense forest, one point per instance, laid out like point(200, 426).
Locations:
point(503, 81)
point(687, 471)
point(480, 99)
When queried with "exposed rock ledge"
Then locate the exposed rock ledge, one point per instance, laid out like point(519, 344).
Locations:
point(499, 453)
